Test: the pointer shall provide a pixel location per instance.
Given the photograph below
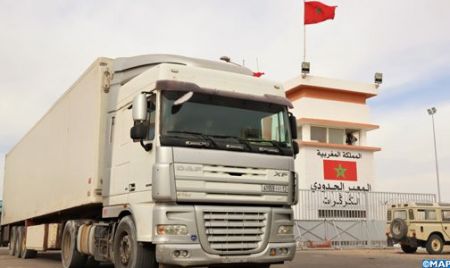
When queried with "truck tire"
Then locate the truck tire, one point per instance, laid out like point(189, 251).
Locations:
point(19, 238)
point(398, 229)
point(70, 257)
point(127, 251)
point(408, 249)
point(435, 244)
point(12, 241)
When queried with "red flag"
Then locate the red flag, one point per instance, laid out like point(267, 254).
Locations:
point(258, 74)
point(339, 170)
point(316, 12)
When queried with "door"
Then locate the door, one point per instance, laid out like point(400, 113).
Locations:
point(131, 165)
point(120, 158)
point(446, 223)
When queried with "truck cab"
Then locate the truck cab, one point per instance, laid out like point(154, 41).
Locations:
point(202, 155)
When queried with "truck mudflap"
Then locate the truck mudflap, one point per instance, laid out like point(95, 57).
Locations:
point(193, 255)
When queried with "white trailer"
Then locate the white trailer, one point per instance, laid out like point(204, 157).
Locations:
point(157, 160)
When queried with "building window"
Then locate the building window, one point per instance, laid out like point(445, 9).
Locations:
point(352, 136)
point(319, 134)
point(299, 133)
point(336, 136)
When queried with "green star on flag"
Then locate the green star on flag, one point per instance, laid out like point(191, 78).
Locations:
point(340, 171)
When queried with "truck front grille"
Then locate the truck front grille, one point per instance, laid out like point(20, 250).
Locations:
point(234, 233)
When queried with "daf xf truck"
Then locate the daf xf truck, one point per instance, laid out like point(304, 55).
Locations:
point(157, 161)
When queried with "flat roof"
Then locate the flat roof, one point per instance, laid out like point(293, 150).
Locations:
point(331, 83)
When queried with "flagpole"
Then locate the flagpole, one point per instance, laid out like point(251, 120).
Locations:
point(304, 32)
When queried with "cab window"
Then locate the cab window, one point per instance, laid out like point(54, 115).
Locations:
point(400, 214)
point(426, 214)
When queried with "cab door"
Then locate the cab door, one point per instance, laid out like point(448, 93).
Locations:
point(446, 223)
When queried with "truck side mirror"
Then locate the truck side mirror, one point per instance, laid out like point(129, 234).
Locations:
point(139, 131)
point(293, 125)
point(140, 108)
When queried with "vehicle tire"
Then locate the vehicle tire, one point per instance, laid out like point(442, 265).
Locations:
point(398, 229)
point(408, 249)
point(12, 241)
point(20, 233)
point(127, 251)
point(435, 244)
point(70, 257)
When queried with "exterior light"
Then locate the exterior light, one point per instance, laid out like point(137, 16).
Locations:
point(305, 68)
point(378, 78)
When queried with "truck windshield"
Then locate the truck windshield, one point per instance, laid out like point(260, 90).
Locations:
point(224, 123)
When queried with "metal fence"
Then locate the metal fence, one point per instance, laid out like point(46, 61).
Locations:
point(346, 218)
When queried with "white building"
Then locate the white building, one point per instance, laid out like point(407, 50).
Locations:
point(336, 164)
point(333, 121)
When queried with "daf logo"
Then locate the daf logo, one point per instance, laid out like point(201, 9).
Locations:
point(189, 168)
point(280, 174)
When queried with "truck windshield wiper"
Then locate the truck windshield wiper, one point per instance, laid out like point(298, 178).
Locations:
point(232, 146)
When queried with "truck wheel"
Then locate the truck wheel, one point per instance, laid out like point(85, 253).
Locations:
point(127, 251)
point(19, 239)
point(70, 256)
point(12, 241)
point(435, 244)
point(408, 249)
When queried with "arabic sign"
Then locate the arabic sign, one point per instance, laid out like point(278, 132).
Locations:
point(342, 199)
point(323, 187)
point(337, 154)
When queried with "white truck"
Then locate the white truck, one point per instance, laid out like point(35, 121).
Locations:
point(157, 161)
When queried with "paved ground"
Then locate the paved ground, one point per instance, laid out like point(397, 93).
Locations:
point(391, 258)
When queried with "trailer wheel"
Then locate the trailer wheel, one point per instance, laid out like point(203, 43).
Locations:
point(12, 241)
point(70, 256)
point(19, 239)
point(127, 251)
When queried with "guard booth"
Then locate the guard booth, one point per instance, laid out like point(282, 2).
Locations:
point(338, 206)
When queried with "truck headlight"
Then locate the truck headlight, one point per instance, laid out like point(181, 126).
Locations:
point(171, 229)
point(286, 229)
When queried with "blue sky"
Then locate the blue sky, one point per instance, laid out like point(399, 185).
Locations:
point(45, 45)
